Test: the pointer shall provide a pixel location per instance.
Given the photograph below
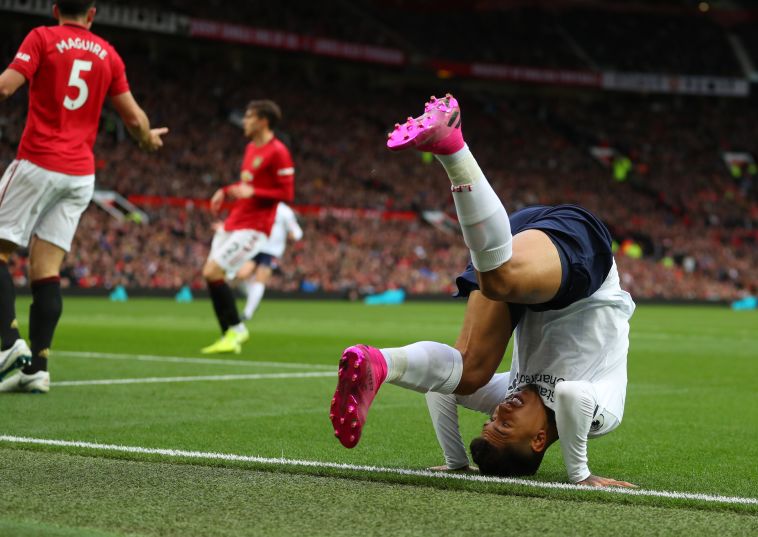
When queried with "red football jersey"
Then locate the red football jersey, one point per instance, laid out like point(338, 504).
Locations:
point(269, 169)
point(70, 71)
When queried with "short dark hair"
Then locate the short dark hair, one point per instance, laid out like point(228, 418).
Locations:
point(267, 109)
point(74, 8)
point(509, 461)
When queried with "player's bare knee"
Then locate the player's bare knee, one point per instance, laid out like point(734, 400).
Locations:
point(40, 269)
point(262, 275)
point(211, 271)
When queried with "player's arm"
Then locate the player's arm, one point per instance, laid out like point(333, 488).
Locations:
point(137, 123)
point(294, 231)
point(282, 191)
point(443, 410)
point(24, 65)
point(10, 81)
point(283, 188)
point(575, 404)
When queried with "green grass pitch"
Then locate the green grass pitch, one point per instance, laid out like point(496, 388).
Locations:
point(690, 427)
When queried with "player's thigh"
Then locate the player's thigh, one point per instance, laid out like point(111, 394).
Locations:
point(57, 225)
point(45, 259)
point(26, 192)
point(533, 274)
point(247, 269)
point(487, 328)
point(263, 274)
point(236, 248)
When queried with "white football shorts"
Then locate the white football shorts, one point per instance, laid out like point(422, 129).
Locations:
point(230, 249)
point(36, 201)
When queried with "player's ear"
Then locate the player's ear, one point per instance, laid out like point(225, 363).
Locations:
point(56, 12)
point(538, 442)
point(91, 14)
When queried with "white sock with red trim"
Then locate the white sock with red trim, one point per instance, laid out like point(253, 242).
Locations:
point(484, 222)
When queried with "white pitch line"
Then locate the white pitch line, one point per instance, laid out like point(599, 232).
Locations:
point(188, 360)
point(199, 378)
point(203, 455)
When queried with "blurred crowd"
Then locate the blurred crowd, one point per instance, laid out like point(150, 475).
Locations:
point(692, 223)
point(337, 255)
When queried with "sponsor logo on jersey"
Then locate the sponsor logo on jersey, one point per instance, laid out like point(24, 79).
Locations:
point(246, 176)
point(539, 380)
point(257, 162)
point(23, 57)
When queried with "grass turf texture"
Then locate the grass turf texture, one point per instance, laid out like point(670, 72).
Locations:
point(690, 426)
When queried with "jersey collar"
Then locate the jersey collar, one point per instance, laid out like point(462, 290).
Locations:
point(75, 25)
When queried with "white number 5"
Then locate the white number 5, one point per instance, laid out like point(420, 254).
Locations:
point(77, 82)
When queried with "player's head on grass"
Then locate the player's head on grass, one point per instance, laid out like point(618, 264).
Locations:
point(75, 10)
point(514, 440)
point(261, 115)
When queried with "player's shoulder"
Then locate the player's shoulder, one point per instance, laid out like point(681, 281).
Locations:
point(41, 29)
point(41, 32)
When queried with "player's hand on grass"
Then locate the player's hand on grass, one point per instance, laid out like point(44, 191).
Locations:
point(597, 481)
point(153, 142)
point(240, 191)
point(462, 470)
point(217, 200)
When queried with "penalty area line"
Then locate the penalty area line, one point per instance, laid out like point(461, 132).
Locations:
point(199, 378)
point(202, 455)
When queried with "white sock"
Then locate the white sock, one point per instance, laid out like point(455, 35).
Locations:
point(239, 328)
point(484, 222)
point(424, 366)
point(255, 292)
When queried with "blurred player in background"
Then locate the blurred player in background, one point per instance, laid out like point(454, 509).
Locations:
point(44, 191)
point(546, 272)
point(267, 177)
point(256, 273)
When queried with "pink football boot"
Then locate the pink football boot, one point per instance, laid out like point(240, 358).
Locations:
point(437, 130)
point(362, 370)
